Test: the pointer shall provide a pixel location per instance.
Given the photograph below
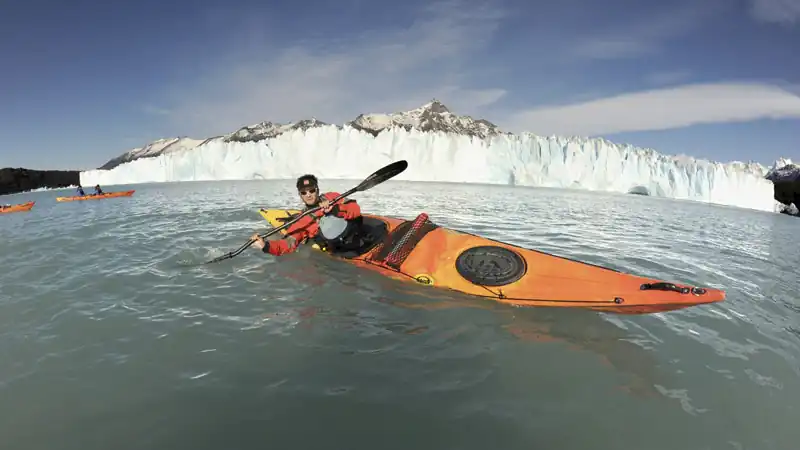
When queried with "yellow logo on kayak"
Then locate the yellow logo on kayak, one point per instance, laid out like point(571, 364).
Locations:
point(424, 279)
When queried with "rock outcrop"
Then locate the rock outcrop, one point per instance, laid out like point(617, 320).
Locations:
point(430, 117)
point(13, 180)
point(785, 175)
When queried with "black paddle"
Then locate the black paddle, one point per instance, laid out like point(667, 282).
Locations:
point(371, 181)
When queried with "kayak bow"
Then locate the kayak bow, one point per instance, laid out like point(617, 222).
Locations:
point(445, 258)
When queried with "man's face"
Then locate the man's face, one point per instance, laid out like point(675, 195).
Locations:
point(309, 195)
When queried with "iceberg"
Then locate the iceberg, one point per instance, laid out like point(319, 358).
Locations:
point(439, 147)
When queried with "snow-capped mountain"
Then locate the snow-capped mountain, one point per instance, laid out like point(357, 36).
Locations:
point(153, 149)
point(783, 170)
point(268, 130)
point(430, 117)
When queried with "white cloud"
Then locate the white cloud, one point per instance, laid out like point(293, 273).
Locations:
point(661, 109)
point(778, 11)
point(386, 71)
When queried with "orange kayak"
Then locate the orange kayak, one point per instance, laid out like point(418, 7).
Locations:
point(18, 208)
point(96, 197)
point(431, 255)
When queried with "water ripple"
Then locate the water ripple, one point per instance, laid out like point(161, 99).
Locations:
point(113, 292)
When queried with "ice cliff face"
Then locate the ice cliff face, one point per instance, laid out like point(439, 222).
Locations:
point(439, 146)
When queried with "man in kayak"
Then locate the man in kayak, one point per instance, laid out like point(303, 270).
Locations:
point(336, 227)
point(80, 190)
point(97, 190)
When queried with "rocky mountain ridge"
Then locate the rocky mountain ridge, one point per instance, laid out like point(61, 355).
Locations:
point(430, 117)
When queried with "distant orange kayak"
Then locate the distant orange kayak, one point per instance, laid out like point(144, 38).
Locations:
point(95, 197)
point(431, 255)
point(18, 208)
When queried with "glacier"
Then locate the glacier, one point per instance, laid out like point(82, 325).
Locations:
point(522, 160)
point(440, 146)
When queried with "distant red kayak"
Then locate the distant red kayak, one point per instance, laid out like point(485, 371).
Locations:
point(95, 197)
point(18, 208)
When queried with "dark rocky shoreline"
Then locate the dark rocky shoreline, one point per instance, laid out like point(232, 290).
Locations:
point(788, 192)
point(786, 180)
point(14, 180)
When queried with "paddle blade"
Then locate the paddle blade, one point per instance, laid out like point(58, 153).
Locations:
point(220, 258)
point(231, 254)
point(382, 175)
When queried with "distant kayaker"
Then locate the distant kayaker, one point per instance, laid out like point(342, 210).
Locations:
point(97, 190)
point(336, 227)
point(80, 190)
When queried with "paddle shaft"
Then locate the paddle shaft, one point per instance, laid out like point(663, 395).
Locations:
point(376, 178)
point(274, 230)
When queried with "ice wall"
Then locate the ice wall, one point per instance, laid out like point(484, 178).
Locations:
point(528, 160)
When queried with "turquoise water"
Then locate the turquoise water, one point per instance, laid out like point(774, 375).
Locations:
point(110, 336)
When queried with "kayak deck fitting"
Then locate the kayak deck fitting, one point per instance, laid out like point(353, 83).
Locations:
point(432, 255)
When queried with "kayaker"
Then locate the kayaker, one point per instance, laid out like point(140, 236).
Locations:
point(80, 190)
point(336, 227)
point(97, 190)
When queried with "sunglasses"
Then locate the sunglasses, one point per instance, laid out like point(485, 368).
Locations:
point(308, 191)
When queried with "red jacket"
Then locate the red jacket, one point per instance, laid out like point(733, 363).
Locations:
point(308, 227)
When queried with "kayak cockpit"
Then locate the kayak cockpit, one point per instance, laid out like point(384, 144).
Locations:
point(373, 231)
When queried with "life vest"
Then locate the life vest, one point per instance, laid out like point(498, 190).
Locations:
point(337, 234)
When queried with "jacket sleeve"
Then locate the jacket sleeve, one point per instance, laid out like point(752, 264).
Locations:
point(290, 242)
point(344, 208)
point(282, 246)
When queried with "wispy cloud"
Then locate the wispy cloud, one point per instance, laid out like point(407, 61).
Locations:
point(614, 47)
point(155, 110)
point(786, 12)
point(661, 109)
point(646, 34)
point(385, 71)
point(667, 77)
point(433, 57)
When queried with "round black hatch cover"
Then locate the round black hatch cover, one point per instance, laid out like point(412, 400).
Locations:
point(490, 265)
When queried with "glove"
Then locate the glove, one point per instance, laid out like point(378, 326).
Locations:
point(335, 211)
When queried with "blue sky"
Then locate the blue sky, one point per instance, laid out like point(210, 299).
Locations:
point(82, 82)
